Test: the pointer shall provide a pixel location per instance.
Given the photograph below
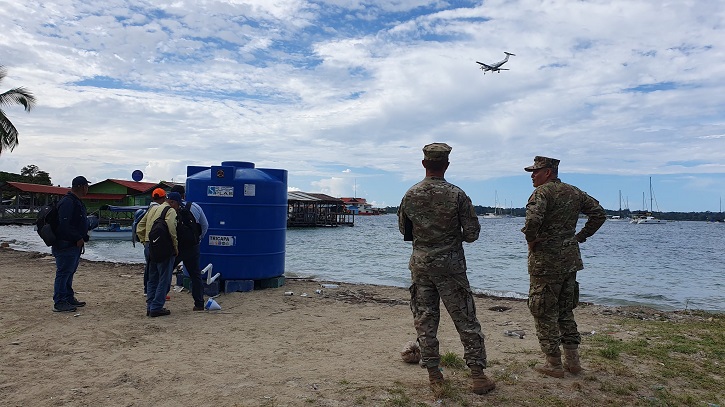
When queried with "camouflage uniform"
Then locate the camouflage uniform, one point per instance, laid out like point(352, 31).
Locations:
point(551, 216)
point(443, 217)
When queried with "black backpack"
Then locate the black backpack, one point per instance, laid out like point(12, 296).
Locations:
point(47, 223)
point(188, 230)
point(161, 248)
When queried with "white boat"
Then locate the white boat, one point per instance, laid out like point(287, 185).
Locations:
point(113, 230)
point(650, 220)
point(497, 213)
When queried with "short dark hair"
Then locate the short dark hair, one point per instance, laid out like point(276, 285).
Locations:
point(178, 188)
point(435, 165)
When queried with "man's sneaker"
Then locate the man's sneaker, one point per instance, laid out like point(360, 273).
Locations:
point(63, 307)
point(74, 302)
point(159, 313)
point(197, 308)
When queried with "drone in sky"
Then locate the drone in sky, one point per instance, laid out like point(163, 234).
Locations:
point(495, 67)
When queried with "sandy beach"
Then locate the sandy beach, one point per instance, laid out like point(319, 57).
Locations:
point(263, 348)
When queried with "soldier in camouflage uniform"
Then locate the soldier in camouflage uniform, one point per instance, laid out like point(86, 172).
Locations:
point(554, 259)
point(442, 217)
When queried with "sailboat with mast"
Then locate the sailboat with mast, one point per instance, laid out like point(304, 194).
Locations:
point(497, 213)
point(649, 219)
point(618, 217)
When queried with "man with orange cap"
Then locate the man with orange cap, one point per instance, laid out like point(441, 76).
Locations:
point(158, 197)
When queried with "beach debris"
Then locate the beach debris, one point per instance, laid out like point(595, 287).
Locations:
point(212, 305)
point(77, 315)
point(289, 293)
point(125, 275)
point(329, 285)
point(303, 295)
point(178, 288)
point(411, 352)
point(499, 308)
point(319, 292)
point(15, 343)
point(517, 333)
point(362, 297)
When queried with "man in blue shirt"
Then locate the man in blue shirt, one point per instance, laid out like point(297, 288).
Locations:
point(72, 235)
point(189, 249)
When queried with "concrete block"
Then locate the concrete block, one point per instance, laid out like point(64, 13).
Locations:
point(212, 289)
point(274, 282)
point(231, 286)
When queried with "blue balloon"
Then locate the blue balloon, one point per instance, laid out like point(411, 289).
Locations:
point(137, 175)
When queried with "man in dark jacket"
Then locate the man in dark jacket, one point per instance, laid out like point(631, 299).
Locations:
point(72, 235)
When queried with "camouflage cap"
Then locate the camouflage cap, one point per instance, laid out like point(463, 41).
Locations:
point(436, 152)
point(543, 162)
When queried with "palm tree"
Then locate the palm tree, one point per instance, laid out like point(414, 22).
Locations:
point(17, 96)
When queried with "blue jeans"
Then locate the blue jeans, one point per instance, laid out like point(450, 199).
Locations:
point(190, 257)
point(147, 257)
point(66, 263)
point(158, 284)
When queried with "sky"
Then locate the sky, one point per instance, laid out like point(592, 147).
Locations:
point(343, 94)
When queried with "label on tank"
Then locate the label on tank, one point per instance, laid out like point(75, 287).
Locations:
point(215, 240)
point(250, 189)
point(221, 191)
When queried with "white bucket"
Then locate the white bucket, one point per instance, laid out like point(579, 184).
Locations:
point(212, 305)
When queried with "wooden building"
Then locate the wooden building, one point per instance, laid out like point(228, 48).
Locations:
point(309, 210)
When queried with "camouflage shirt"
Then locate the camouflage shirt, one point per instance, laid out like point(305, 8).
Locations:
point(551, 216)
point(443, 218)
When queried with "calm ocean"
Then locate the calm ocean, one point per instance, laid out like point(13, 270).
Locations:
point(677, 265)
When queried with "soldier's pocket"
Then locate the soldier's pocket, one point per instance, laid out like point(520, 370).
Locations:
point(413, 299)
point(541, 299)
point(575, 295)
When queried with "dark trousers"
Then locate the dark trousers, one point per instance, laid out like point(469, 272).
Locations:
point(159, 280)
point(147, 257)
point(190, 257)
point(66, 264)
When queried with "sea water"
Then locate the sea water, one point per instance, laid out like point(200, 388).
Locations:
point(677, 265)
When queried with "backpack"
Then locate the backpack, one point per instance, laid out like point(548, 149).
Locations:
point(47, 223)
point(188, 230)
point(161, 248)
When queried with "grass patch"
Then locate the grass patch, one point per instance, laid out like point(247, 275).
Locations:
point(685, 358)
point(451, 360)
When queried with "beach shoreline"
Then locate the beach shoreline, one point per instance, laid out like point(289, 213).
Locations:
point(263, 348)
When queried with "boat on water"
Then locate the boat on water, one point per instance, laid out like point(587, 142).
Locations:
point(113, 229)
point(648, 219)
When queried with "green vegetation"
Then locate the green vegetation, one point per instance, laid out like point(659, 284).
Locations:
point(452, 361)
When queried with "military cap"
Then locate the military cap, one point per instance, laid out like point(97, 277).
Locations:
point(436, 152)
point(543, 162)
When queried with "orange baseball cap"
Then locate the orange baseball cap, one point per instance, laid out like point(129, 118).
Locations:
point(158, 193)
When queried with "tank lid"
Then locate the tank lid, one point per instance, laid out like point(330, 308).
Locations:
point(237, 164)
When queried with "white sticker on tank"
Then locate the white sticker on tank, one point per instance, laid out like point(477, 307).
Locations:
point(215, 240)
point(250, 189)
point(221, 191)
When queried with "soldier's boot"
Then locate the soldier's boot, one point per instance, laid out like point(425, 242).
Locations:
point(552, 367)
point(571, 361)
point(435, 377)
point(481, 383)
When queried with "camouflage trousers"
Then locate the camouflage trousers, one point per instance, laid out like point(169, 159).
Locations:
point(552, 299)
point(426, 294)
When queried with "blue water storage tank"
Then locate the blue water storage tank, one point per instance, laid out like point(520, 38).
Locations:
point(247, 212)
